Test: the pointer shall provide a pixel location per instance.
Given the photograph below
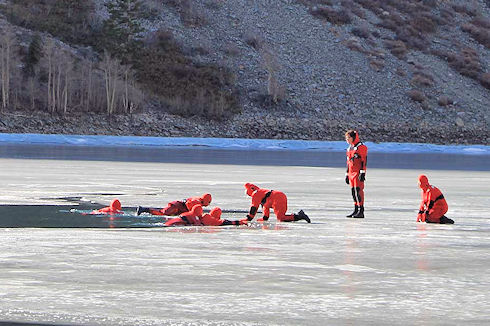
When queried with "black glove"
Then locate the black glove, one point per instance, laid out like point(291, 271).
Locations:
point(362, 176)
point(346, 179)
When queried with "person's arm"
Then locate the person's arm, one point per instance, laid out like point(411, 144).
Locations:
point(421, 214)
point(363, 156)
point(228, 222)
point(347, 172)
point(251, 214)
point(266, 211)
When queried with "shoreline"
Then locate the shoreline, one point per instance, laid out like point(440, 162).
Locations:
point(236, 144)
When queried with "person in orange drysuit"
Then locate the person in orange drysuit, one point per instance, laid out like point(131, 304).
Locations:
point(433, 205)
point(274, 199)
point(214, 219)
point(356, 171)
point(177, 207)
point(114, 208)
point(191, 217)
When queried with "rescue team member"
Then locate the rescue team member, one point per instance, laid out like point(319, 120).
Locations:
point(214, 219)
point(274, 199)
point(356, 171)
point(114, 208)
point(191, 217)
point(177, 207)
point(433, 205)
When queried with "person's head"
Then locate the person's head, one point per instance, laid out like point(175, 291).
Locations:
point(215, 212)
point(197, 210)
point(351, 136)
point(116, 204)
point(206, 199)
point(423, 182)
point(250, 188)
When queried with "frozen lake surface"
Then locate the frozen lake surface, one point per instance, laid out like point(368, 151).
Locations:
point(383, 270)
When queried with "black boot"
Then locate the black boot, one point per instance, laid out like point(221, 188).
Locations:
point(302, 216)
point(356, 209)
point(360, 213)
point(140, 210)
point(446, 220)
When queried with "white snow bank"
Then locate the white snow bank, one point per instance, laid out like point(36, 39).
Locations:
point(236, 144)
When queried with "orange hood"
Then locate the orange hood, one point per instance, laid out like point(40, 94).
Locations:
point(251, 188)
point(206, 199)
point(116, 205)
point(423, 182)
point(215, 212)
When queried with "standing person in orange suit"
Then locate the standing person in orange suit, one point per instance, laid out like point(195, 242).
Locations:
point(191, 217)
point(356, 171)
point(274, 199)
point(433, 205)
point(214, 219)
point(177, 207)
point(114, 208)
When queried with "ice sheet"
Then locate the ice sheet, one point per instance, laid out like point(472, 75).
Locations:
point(383, 270)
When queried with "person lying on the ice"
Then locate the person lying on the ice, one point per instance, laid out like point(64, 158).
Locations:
point(191, 217)
point(214, 219)
point(177, 207)
point(433, 205)
point(274, 199)
point(114, 208)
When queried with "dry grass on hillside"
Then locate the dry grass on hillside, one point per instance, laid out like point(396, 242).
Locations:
point(415, 24)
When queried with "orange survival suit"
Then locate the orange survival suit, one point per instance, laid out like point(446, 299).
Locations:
point(356, 173)
point(214, 219)
point(114, 208)
point(433, 205)
point(274, 199)
point(191, 217)
point(177, 207)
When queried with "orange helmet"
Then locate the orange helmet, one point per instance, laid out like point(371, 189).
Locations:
point(116, 204)
point(197, 210)
point(251, 188)
point(423, 182)
point(206, 199)
point(215, 212)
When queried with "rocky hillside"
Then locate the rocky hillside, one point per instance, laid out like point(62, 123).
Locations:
point(415, 71)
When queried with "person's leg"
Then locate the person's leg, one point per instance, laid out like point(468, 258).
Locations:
point(173, 209)
point(280, 207)
point(435, 215)
point(356, 206)
point(175, 222)
point(358, 187)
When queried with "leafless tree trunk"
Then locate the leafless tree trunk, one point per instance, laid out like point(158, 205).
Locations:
point(67, 77)
point(49, 54)
point(6, 55)
point(274, 89)
point(112, 70)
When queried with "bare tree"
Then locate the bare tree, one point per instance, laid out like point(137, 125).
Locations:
point(274, 89)
point(67, 78)
point(112, 68)
point(7, 43)
point(49, 53)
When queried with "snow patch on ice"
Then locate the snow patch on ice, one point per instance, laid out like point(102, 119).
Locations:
point(236, 144)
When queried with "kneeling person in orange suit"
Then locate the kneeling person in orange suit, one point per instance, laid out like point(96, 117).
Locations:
point(214, 219)
point(177, 207)
point(114, 208)
point(188, 218)
point(274, 199)
point(433, 205)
